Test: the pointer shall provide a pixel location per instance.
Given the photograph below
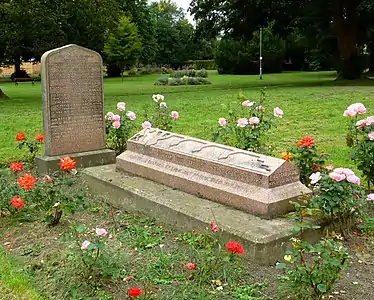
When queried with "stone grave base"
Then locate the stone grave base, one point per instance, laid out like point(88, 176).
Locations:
point(264, 240)
point(48, 164)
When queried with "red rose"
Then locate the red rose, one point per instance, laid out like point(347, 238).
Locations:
point(17, 202)
point(39, 138)
point(20, 137)
point(16, 167)
point(26, 182)
point(134, 292)
point(67, 164)
point(306, 141)
point(234, 247)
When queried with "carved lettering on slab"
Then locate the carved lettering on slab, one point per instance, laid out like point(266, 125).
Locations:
point(73, 110)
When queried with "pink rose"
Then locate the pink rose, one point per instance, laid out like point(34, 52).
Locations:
point(101, 231)
point(190, 266)
point(116, 124)
point(222, 122)
point(47, 178)
point(329, 167)
point(360, 108)
point(254, 120)
point(146, 124)
point(361, 123)
point(121, 106)
point(336, 176)
point(349, 113)
point(370, 197)
point(174, 115)
point(109, 116)
point(247, 103)
point(259, 108)
point(242, 122)
point(353, 179)
point(131, 115)
point(354, 109)
point(369, 120)
point(85, 245)
point(278, 112)
point(116, 118)
point(371, 135)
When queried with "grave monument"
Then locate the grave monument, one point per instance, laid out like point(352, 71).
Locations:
point(73, 108)
point(253, 183)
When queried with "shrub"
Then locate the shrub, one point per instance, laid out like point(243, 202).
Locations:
point(33, 146)
point(360, 136)
point(306, 157)
point(247, 130)
point(119, 128)
point(133, 72)
point(182, 81)
point(339, 197)
point(189, 73)
point(209, 64)
point(310, 271)
point(160, 116)
point(242, 57)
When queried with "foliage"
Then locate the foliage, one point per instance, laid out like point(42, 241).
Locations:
point(119, 128)
point(360, 136)
point(189, 73)
point(90, 254)
point(310, 271)
point(247, 130)
point(160, 116)
point(51, 24)
point(339, 197)
point(182, 81)
point(242, 57)
point(208, 64)
point(306, 157)
point(32, 146)
point(123, 46)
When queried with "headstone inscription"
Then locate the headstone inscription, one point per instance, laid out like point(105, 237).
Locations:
point(248, 181)
point(73, 108)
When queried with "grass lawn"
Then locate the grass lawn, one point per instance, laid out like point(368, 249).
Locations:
point(313, 104)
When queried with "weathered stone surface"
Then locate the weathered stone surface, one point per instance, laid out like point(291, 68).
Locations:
point(73, 108)
point(253, 183)
point(264, 240)
point(73, 105)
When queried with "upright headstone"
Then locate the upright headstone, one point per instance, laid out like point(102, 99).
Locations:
point(73, 108)
point(251, 182)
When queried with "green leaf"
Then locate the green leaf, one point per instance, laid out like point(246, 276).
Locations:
point(281, 266)
point(322, 288)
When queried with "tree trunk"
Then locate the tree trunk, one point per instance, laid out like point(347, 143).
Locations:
point(17, 64)
point(345, 18)
point(371, 65)
point(2, 95)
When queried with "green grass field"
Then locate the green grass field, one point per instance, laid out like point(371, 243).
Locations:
point(313, 104)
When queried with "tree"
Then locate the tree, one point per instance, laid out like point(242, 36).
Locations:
point(140, 13)
point(239, 19)
point(123, 46)
point(31, 27)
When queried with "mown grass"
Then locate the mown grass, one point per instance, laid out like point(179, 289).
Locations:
point(313, 104)
point(14, 284)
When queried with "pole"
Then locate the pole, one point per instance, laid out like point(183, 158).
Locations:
point(261, 53)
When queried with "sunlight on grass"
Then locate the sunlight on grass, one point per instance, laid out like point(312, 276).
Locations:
point(313, 104)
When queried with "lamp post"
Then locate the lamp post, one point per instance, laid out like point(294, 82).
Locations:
point(261, 53)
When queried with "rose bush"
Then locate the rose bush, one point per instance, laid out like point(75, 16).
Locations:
point(360, 136)
point(247, 130)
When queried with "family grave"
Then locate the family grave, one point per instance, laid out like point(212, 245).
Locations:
point(73, 108)
point(253, 183)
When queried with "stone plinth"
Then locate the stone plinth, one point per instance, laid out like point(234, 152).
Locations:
point(253, 183)
point(264, 241)
point(73, 107)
